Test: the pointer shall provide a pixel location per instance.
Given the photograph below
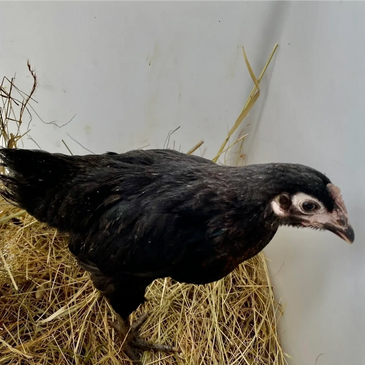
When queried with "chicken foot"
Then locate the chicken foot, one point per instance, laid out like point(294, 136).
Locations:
point(132, 342)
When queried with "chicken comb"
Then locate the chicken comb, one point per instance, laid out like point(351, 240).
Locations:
point(335, 194)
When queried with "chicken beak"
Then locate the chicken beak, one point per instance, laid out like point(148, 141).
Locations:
point(344, 231)
point(347, 233)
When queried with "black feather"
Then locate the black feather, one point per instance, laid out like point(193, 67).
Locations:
point(141, 215)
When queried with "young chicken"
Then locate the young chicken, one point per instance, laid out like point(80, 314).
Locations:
point(143, 215)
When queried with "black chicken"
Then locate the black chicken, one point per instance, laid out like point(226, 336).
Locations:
point(143, 215)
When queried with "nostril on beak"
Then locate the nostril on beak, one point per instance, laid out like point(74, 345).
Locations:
point(342, 221)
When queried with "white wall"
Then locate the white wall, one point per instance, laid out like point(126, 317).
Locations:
point(133, 71)
point(314, 114)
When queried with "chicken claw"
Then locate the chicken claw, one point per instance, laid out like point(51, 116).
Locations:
point(132, 342)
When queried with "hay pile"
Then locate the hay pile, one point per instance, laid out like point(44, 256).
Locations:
point(51, 314)
point(57, 317)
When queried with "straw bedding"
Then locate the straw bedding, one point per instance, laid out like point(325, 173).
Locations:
point(57, 317)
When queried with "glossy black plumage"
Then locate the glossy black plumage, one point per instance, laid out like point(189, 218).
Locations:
point(142, 215)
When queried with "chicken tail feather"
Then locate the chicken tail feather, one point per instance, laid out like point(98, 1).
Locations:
point(33, 180)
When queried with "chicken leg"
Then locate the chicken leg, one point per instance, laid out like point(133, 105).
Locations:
point(133, 344)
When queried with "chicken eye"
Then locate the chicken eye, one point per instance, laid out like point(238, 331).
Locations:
point(309, 206)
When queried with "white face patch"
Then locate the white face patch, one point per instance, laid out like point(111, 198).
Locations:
point(316, 218)
point(300, 199)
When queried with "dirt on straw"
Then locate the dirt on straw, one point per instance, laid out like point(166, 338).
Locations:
point(50, 312)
